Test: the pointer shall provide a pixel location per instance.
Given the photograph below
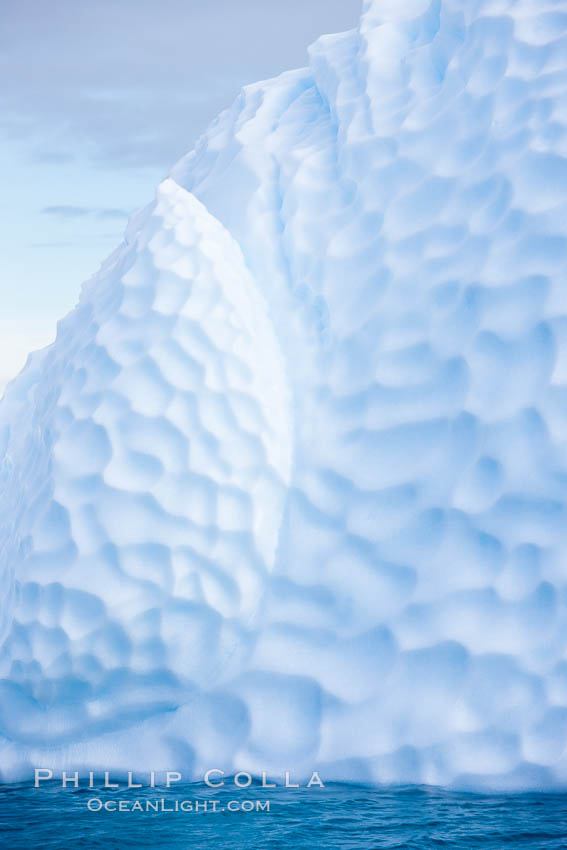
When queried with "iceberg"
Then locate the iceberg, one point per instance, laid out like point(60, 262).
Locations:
point(289, 490)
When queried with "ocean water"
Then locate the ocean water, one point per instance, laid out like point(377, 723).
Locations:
point(343, 816)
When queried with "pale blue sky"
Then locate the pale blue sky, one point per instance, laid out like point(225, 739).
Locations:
point(99, 99)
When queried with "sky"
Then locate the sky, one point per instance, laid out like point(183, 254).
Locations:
point(99, 98)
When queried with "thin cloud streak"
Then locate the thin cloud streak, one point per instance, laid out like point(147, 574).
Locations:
point(70, 211)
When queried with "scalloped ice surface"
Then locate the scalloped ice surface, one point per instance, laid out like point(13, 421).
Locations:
point(289, 490)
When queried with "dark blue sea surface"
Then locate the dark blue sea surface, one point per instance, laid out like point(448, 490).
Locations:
point(342, 816)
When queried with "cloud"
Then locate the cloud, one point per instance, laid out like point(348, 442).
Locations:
point(53, 157)
point(131, 84)
point(52, 244)
point(112, 212)
point(66, 211)
point(71, 211)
